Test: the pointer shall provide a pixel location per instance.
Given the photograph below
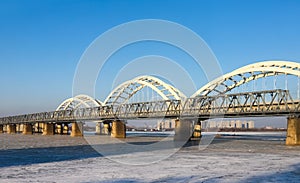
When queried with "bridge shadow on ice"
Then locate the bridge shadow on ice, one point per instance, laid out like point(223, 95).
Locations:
point(28, 156)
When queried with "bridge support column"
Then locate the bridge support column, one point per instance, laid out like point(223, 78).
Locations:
point(11, 129)
point(293, 131)
point(183, 130)
point(118, 129)
point(27, 129)
point(77, 129)
point(66, 128)
point(58, 129)
point(48, 129)
point(106, 128)
point(99, 128)
point(197, 130)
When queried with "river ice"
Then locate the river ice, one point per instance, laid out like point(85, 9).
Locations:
point(227, 159)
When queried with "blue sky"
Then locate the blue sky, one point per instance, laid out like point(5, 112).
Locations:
point(41, 42)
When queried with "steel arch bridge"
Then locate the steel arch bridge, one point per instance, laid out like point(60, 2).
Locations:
point(212, 99)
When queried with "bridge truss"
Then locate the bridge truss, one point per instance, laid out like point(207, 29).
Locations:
point(212, 100)
point(273, 102)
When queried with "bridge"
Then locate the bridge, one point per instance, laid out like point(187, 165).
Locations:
point(221, 98)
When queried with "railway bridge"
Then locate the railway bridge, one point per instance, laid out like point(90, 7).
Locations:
point(263, 89)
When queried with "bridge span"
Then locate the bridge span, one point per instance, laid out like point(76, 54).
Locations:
point(217, 99)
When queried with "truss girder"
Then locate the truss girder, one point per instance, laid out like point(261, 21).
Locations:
point(262, 103)
point(242, 104)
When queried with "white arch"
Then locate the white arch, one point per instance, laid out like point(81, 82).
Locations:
point(79, 101)
point(249, 73)
point(129, 88)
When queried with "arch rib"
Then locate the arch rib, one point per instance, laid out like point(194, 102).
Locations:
point(78, 101)
point(256, 71)
point(126, 90)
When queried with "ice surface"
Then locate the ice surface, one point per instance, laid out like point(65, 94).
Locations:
point(66, 159)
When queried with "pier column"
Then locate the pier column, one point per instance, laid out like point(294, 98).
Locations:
point(59, 128)
point(183, 130)
point(197, 130)
point(118, 129)
point(293, 131)
point(66, 128)
point(27, 129)
point(48, 129)
point(5, 128)
point(106, 128)
point(77, 129)
point(99, 128)
point(1, 128)
point(11, 129)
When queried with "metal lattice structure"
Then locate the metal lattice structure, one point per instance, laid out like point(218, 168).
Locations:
point(174, 104)
point(246, 74)
point(128, 89)
point(79, 101)
point(262, 103)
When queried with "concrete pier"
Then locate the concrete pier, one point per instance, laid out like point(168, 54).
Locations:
point(38, 128)
point(27, 129)
point(58, 128)
point(11, 129)
point(99, 128)
point(48, 129)
point(118, 129)
point(293, 131)
point(77, 129)
point(66, 128)
point(19, 128)
point(183, 130)
point(106, 128)
point(197, 130)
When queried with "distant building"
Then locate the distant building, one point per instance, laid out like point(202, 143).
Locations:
point(169, 124)
point(228, 124)
point(166, 125)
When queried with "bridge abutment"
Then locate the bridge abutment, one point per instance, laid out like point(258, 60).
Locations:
point(118, 129)
point(77, 129)
point(11, 129)
point(293, 131)
point(48, 129)
point(27, 129)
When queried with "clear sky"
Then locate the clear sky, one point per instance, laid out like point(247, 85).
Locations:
point(41, 42)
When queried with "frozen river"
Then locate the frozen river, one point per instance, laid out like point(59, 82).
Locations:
point(243, 157)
